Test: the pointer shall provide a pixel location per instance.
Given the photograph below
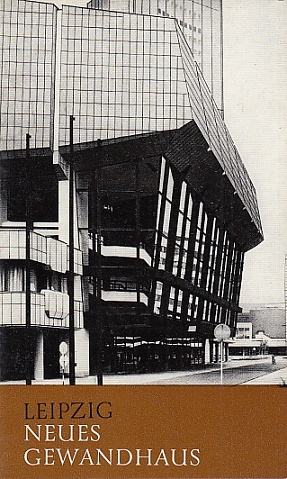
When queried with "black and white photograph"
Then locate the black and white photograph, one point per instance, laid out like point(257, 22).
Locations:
point(143, 192)
point(143, 239)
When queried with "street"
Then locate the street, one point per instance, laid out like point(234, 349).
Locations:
point(235, 372)
point(254, 372)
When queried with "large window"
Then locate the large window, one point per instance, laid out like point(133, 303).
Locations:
point(164, 209)
point(214, 264)
point(43, 190)
point(158, 295)
point(12, 277)
point(182, 231)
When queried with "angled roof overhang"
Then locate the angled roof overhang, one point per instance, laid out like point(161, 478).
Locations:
point(189, 153)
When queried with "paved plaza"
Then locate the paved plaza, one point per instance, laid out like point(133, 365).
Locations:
point(235, 372)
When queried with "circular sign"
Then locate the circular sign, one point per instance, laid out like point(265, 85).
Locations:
point(222, 332)
point(63, 348)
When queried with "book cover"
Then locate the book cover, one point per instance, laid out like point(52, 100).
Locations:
point(143, 239)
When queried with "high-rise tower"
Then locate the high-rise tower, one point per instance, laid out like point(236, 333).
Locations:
point(201, 23)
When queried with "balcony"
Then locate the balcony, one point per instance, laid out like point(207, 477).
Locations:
point(48, 309)
point(124, 252)
point(49, 251)
point(124, 297)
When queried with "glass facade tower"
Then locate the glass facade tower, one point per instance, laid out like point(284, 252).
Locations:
point(201, 24)
point(164, 208)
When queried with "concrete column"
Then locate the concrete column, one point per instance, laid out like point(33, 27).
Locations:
point(211, 348)
point(63, 214)
point(213, 352)
point(207, 351)
point(63, 211)
point(82, 352)
point(39, 358)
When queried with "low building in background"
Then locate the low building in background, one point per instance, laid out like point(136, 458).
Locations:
point(164, 209)
point(261, 331)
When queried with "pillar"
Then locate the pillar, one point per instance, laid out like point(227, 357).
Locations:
point(39, 358)
point(82, 352)
point(207, 354)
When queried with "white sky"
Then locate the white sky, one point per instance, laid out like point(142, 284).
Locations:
point(255, 90)
point(255, 79)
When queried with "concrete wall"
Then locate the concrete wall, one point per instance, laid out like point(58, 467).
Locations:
point(269, 320)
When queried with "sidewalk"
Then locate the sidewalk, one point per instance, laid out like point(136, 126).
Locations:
point(277, 378)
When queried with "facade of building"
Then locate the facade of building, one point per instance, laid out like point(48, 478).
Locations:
point(201, 24)
point(114, 104)
point(270, 320)
point(261, 331)
point(243, 330)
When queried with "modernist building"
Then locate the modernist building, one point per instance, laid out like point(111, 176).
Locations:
point(115, 104)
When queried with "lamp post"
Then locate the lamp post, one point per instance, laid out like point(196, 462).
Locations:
point(71, 289)
point(28, 229)
point(98, 278)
